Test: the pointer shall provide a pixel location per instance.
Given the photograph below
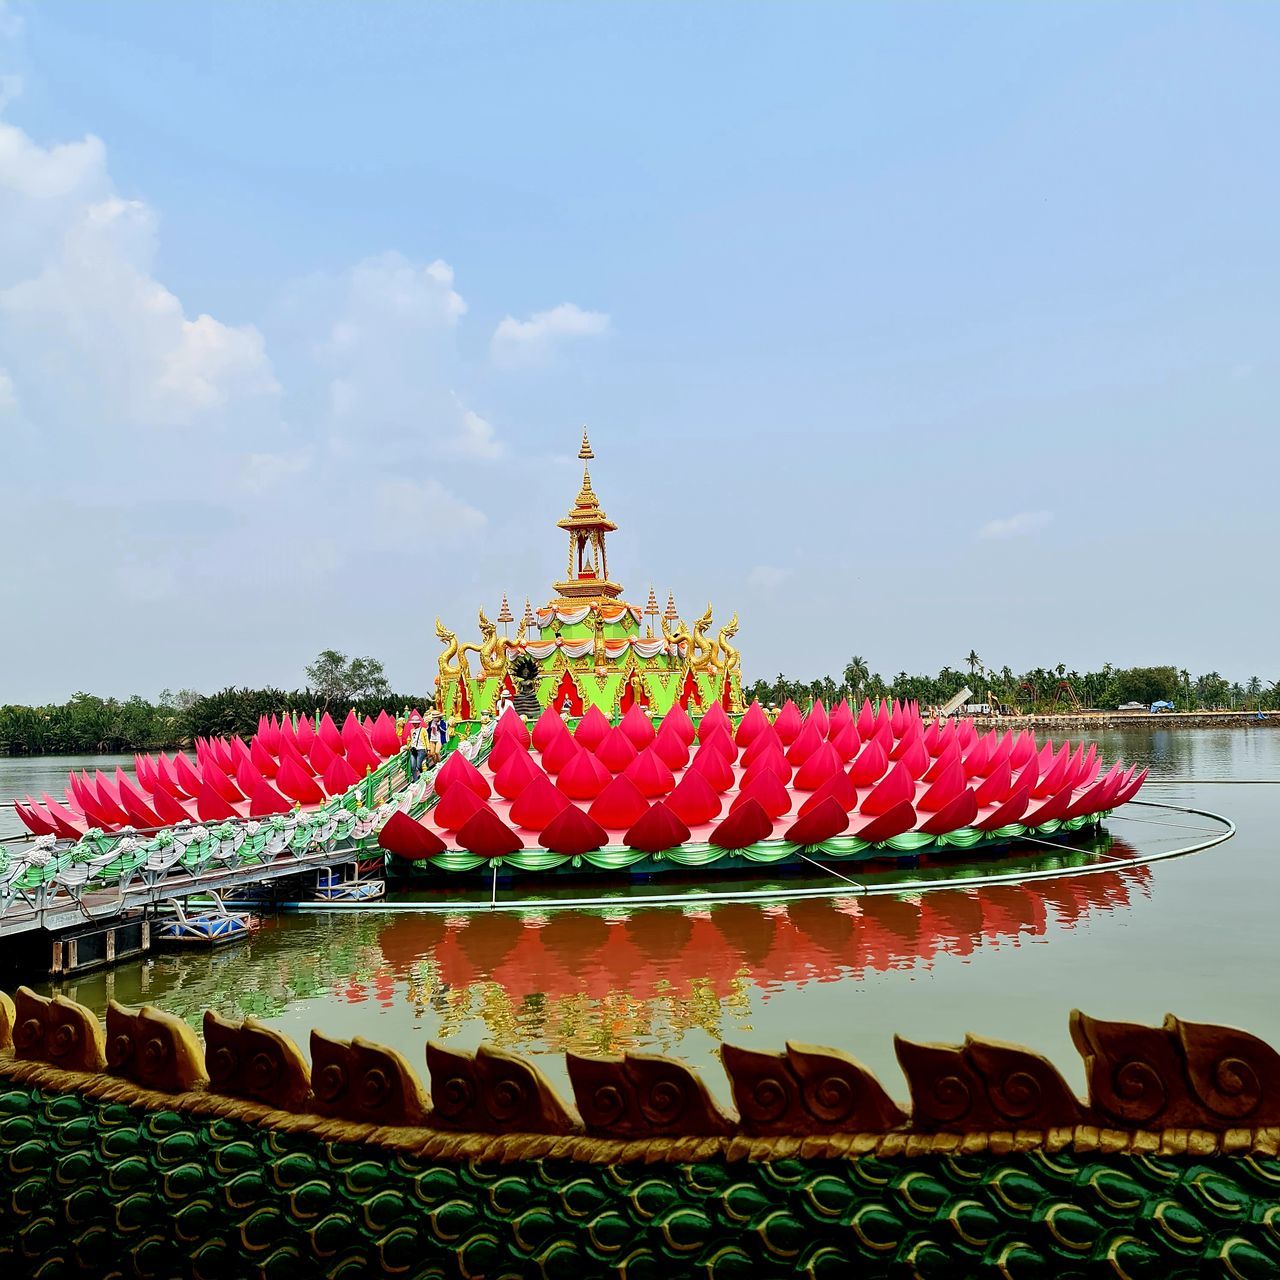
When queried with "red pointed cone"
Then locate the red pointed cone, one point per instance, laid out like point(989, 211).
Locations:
point(694, 800)
point(894, 822)
point(996, 787)
point(573, 832)
point(838, 788)
point(671, 747)
point(211, 807)
point(775, 764)
point(712, 765)
point(818, 716)
point(948, 785)
point(511, 726)
point(516, 774)
point(537, 804)
point(638, 727)
point(262, 761)
point(167, 808)
point(384, 739)
point(679, 720)
point(562, 750)
point(592, 729)
point(457, 770)
point(650, 773)
point(766, 742)
point(583, 778)
point(716, 720)
point(657, 830)
point(548, 728)
point(408, 839)
point(789, 723)
point(1008, 813)
point(455, 807)
point(297, 784)
point(893, 789)
point(619, 805)
point(719, 740)
point(753, 724)
point(215, 778)
point(266, 800)
point(502, 751)
point(304, 735)
point(320, 756)
point(486, 835)
point(747, 825)
point(768, 793)
point(959, 813)
point(846, 742)
point(822, 822)
point(870, 765)
point(339, 777)
point(806, 742)
point(820, 766)
point(616, 751)
point(916, 758)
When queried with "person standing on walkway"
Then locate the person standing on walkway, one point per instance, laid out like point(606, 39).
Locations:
point(437, 736)
point(419, 745)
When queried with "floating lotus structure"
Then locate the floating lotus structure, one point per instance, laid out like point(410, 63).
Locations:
point(284, 765)
point(840, 786)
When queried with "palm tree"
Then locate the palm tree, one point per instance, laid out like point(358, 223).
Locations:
point(856, 674)
point(974, 662)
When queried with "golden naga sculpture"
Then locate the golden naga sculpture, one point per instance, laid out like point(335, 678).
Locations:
point(725, 656)
point(699, 651)
point(453, 661)
point(494, 649)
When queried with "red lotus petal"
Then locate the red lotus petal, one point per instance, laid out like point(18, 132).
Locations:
point(680, 723)
point(837, 787)
point(870, 765)
point(818, 716)
point(583, 778)
point(320, 755)
point(516, 774)
point(592, 729)
point(746, 825)
point(657, 829)
point(752, 725)
point(211, 807)
point(719, 740)
point(896, 787)
point(789, 723)
point(619, 805)
point(327, 733)
point(511, 726)
point(537, 804)
point(716, 719)
point(561, 751)
point(712, 765)
point(385, 740)
point(774, 763)
point(946, 787)
point(1008, 813)
point(573, 832)
point(616, 751)
point(455, 807)
point(846, 742)
point(456, 771)
point(996, 787)
point(650, 773)
point(262, 761)
point(694, 800)
point(895, 822)
point(408, 839)
point(805, 743)
point(768, 793)
point(266, 800)
point(485, 834)
point(339, 777)
point(822, 822)
point(671, 747)
point(959, 813)
point(638, 727)
point(548, 728)
point(819, 767)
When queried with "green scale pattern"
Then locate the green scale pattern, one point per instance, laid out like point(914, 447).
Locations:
point(103, 1189)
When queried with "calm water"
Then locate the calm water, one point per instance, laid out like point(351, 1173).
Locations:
point(1195, 936)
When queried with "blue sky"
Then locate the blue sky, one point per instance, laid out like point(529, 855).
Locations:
point(901, 329)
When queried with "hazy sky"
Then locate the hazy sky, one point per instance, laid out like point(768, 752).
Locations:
point(900, 329)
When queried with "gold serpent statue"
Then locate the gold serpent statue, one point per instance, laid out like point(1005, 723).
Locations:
point(494, 649)
point(726, 657)
point(453, 661)
point(698, 649)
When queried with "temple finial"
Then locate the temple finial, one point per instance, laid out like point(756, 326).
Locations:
point(585, 452)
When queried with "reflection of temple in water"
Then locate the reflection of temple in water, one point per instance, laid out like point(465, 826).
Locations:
point(643, 976)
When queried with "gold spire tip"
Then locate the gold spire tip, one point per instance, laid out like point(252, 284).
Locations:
point(585, 451)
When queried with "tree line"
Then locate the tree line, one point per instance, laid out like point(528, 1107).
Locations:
point(1039, 690)
point(89, 725)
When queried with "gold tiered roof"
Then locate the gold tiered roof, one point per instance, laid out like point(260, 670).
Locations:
point(588, 577)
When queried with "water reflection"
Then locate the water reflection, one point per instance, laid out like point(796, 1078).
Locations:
point(600, 981)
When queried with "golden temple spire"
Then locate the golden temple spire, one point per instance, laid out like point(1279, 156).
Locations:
point(585, 452)
point(587, 525)
point(671, 615)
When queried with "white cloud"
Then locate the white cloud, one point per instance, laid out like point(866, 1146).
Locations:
point(85, 326)
point(266, 471)
point(425, 509)
point(532, 341)
point(767, 577)
point(1015, 526)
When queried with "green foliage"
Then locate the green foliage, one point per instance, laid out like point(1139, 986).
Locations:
point(339, 679)
point(1039, 689)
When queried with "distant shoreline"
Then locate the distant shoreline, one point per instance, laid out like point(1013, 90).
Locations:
point(1134, 719)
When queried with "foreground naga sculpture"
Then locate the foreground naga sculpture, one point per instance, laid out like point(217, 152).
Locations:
point(138, 1150)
